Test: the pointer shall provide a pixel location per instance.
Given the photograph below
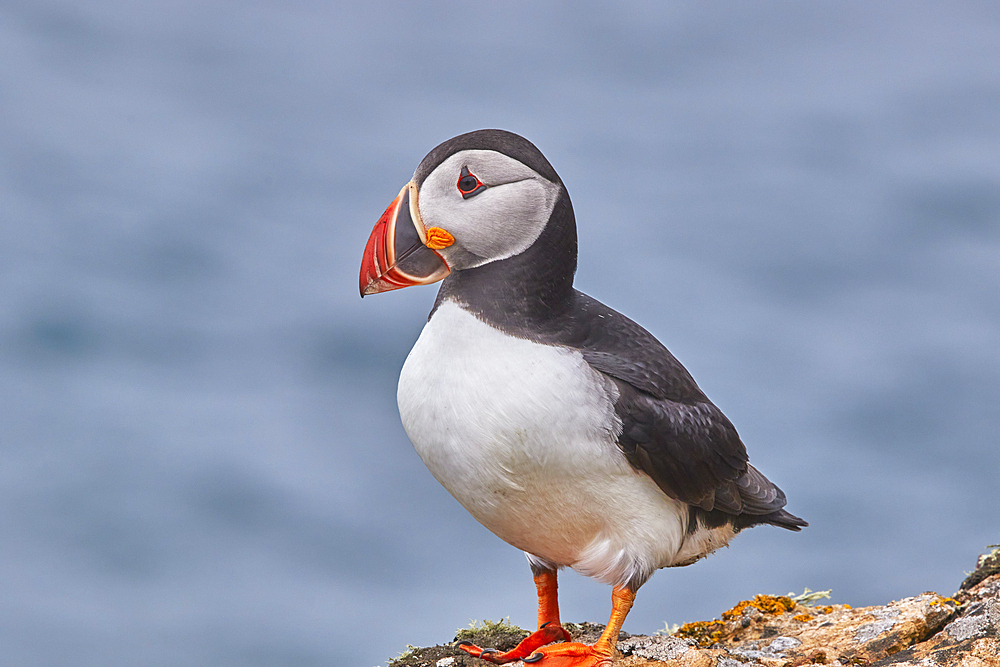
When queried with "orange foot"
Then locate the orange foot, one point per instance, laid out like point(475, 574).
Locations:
point(571, 655)
point(546, 634)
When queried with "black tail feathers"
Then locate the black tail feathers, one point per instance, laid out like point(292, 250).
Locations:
point(783, 519)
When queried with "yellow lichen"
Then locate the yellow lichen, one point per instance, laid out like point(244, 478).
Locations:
point(769, 604)
point(802, 618)
point(824, 610)
point(938, 601)
point(705, 633)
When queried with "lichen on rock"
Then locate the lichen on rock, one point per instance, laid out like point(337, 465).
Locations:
point(927, 630)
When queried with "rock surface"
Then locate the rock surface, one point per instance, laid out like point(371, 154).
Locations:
point(926, 630)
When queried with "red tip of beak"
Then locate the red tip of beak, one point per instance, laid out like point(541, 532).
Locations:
point(375, 262)
point(385, 267)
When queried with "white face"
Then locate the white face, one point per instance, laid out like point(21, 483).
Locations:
point(501, 221)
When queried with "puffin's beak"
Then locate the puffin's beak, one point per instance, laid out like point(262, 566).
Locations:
point(396, 255)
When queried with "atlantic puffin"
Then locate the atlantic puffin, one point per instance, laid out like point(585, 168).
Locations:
point(561, 425)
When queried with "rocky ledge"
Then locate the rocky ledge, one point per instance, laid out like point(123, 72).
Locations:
point(928, 630)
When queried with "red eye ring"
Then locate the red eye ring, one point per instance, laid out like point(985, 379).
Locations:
point(469, 184)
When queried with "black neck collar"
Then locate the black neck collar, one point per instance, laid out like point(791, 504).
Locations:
point(528, 291)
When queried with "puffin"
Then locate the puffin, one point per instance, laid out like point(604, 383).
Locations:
point(561, 425)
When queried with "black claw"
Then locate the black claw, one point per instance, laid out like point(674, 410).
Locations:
point(464, 642)
point(488, 650)
point(534, 657)
point(543, 624)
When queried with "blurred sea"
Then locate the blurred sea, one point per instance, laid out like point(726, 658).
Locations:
point(200, 453)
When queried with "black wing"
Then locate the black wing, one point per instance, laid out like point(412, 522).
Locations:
point(670, 430)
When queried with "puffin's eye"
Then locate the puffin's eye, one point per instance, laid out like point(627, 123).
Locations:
point(468, 184)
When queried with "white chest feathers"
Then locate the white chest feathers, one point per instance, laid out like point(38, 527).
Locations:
point(493, 415)
point(523, 435)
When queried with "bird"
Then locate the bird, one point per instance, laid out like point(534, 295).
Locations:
point(561, 425)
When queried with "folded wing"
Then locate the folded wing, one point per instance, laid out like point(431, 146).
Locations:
point(671, 431)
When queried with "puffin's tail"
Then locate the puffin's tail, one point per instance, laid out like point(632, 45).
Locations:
point(782, 519)
point(763, 503)
point(751, 500)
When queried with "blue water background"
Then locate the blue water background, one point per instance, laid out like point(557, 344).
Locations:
point(200, 454)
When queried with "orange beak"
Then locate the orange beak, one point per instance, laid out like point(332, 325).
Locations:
point(397, 254)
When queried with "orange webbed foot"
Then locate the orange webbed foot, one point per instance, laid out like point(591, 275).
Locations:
point(572, 654)
point(546, 634)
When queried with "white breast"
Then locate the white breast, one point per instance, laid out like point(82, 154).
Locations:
point(523, 436)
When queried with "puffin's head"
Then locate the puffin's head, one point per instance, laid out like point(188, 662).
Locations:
point(477, 198)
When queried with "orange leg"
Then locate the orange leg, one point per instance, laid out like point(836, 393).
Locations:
point(602, 652)
point(548, 598)
point(549, 628)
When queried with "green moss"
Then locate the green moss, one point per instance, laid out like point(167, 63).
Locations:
point(502, 635)
point(488, 627)
point(667, 629)
point(808, 597)
point(986, 566)
point(404, 657)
